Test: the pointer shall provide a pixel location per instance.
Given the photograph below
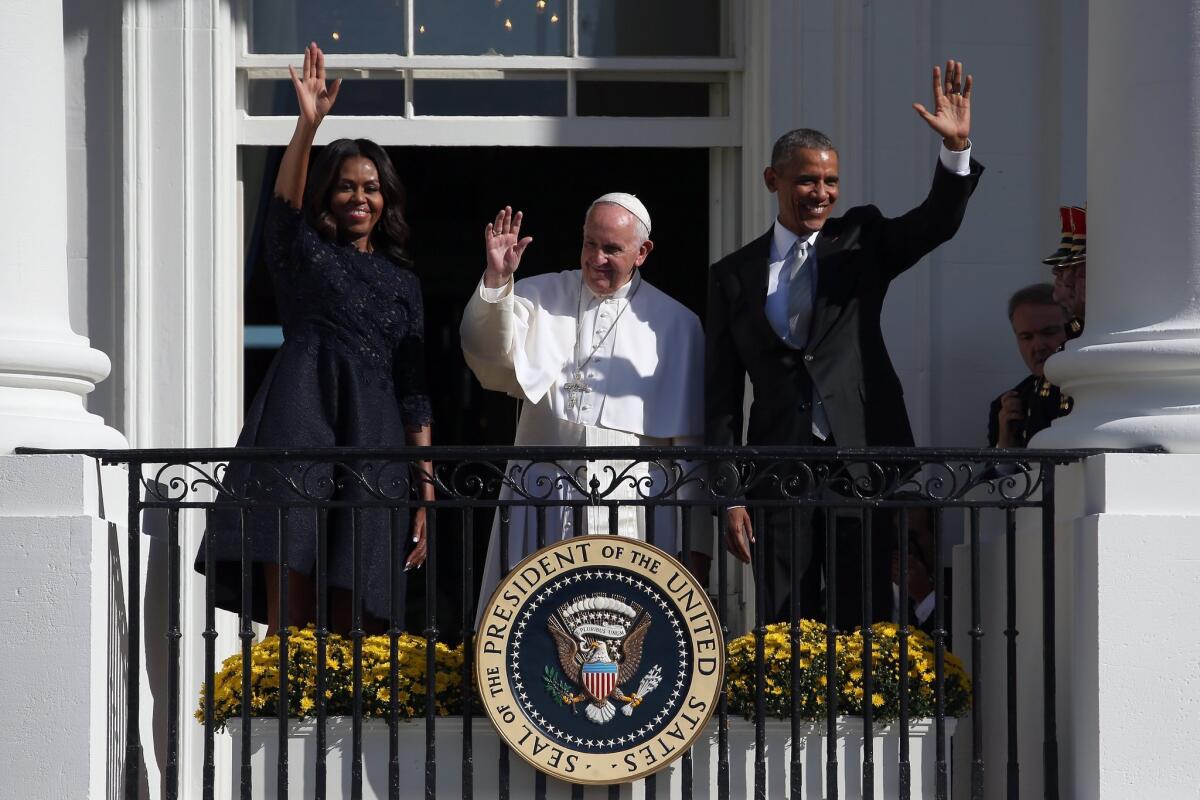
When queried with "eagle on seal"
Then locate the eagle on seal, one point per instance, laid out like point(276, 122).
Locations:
point(584, 654)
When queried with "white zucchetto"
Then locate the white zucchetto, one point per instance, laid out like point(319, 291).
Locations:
point(628, 202)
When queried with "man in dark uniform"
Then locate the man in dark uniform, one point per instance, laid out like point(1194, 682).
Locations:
point(1069, 264)
point(1039, 324)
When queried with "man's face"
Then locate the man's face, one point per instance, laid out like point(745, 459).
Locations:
point(805, 187)
point(1070, 288)
point(1040, 331)
point(611, 248)
point(1064, 296)
point(1075, 279)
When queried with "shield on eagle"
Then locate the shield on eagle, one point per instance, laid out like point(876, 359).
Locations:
point(600, 679)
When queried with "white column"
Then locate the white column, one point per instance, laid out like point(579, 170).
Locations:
point(1135, 373)
point(45, 368)
point(1129, 569)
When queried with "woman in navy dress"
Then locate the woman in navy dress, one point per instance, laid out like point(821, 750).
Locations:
point(350, 372)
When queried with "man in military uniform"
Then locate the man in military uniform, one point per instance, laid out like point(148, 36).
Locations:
point(1069, 264)
point(1039, 324)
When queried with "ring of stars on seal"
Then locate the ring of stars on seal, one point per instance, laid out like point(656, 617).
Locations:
point(544, 596)
point(599, 659)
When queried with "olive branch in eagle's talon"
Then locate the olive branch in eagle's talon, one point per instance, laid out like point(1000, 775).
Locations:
point(559, 689)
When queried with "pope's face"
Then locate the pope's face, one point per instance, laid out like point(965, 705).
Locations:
point(805, 187)
point(611, 248)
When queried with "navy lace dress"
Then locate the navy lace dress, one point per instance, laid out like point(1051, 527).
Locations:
point(351, 372)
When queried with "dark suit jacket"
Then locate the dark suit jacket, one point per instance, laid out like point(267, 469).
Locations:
point(858, 256)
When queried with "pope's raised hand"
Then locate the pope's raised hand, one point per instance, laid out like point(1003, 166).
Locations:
point(951, 114)
point(504, 246)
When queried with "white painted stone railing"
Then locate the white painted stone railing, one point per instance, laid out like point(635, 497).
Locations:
point(302, 758)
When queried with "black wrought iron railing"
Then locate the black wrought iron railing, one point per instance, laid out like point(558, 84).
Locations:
point(866, 492)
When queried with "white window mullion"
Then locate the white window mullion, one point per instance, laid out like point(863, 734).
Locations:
point(732, 41)
point(572, 28)
point(410, 23)
point(571, 93)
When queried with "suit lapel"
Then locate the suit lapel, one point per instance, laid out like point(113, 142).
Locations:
point(753, 278)
point(831, 280)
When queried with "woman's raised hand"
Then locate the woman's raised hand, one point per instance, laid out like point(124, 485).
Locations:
point(315, 97)
point(504, 246)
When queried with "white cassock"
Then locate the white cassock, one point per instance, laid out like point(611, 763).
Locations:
point(645, 378)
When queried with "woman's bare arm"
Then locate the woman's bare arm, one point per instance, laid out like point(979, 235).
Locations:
point(315, 99)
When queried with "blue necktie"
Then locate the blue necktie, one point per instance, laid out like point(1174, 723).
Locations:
point(800, 294)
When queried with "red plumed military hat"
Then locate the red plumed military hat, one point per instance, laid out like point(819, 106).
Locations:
point(1078, 252)
point(1063, 252)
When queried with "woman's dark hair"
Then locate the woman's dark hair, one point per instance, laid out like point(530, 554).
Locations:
point(390, 235)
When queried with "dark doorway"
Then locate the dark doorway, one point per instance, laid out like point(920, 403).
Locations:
point(452, 194)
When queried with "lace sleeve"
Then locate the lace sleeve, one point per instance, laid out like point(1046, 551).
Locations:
point(289, 241)
point(408, 367)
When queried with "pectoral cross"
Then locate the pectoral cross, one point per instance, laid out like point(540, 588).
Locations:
point(575, 390)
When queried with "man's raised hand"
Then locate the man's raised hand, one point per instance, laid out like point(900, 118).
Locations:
point(504, 246)
point(951, 117)
point(315, 97)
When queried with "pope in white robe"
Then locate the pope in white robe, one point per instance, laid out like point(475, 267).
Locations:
point(599, 358)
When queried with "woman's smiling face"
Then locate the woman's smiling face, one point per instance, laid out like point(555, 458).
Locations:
point(356, 201)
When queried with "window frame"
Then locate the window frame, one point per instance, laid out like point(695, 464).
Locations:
point(722, 128)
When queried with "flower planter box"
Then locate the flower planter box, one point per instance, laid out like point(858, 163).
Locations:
point(486, 751)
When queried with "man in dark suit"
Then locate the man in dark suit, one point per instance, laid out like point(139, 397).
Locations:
point(798, 310)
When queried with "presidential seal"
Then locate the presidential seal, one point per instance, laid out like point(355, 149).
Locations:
point(599, 659)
